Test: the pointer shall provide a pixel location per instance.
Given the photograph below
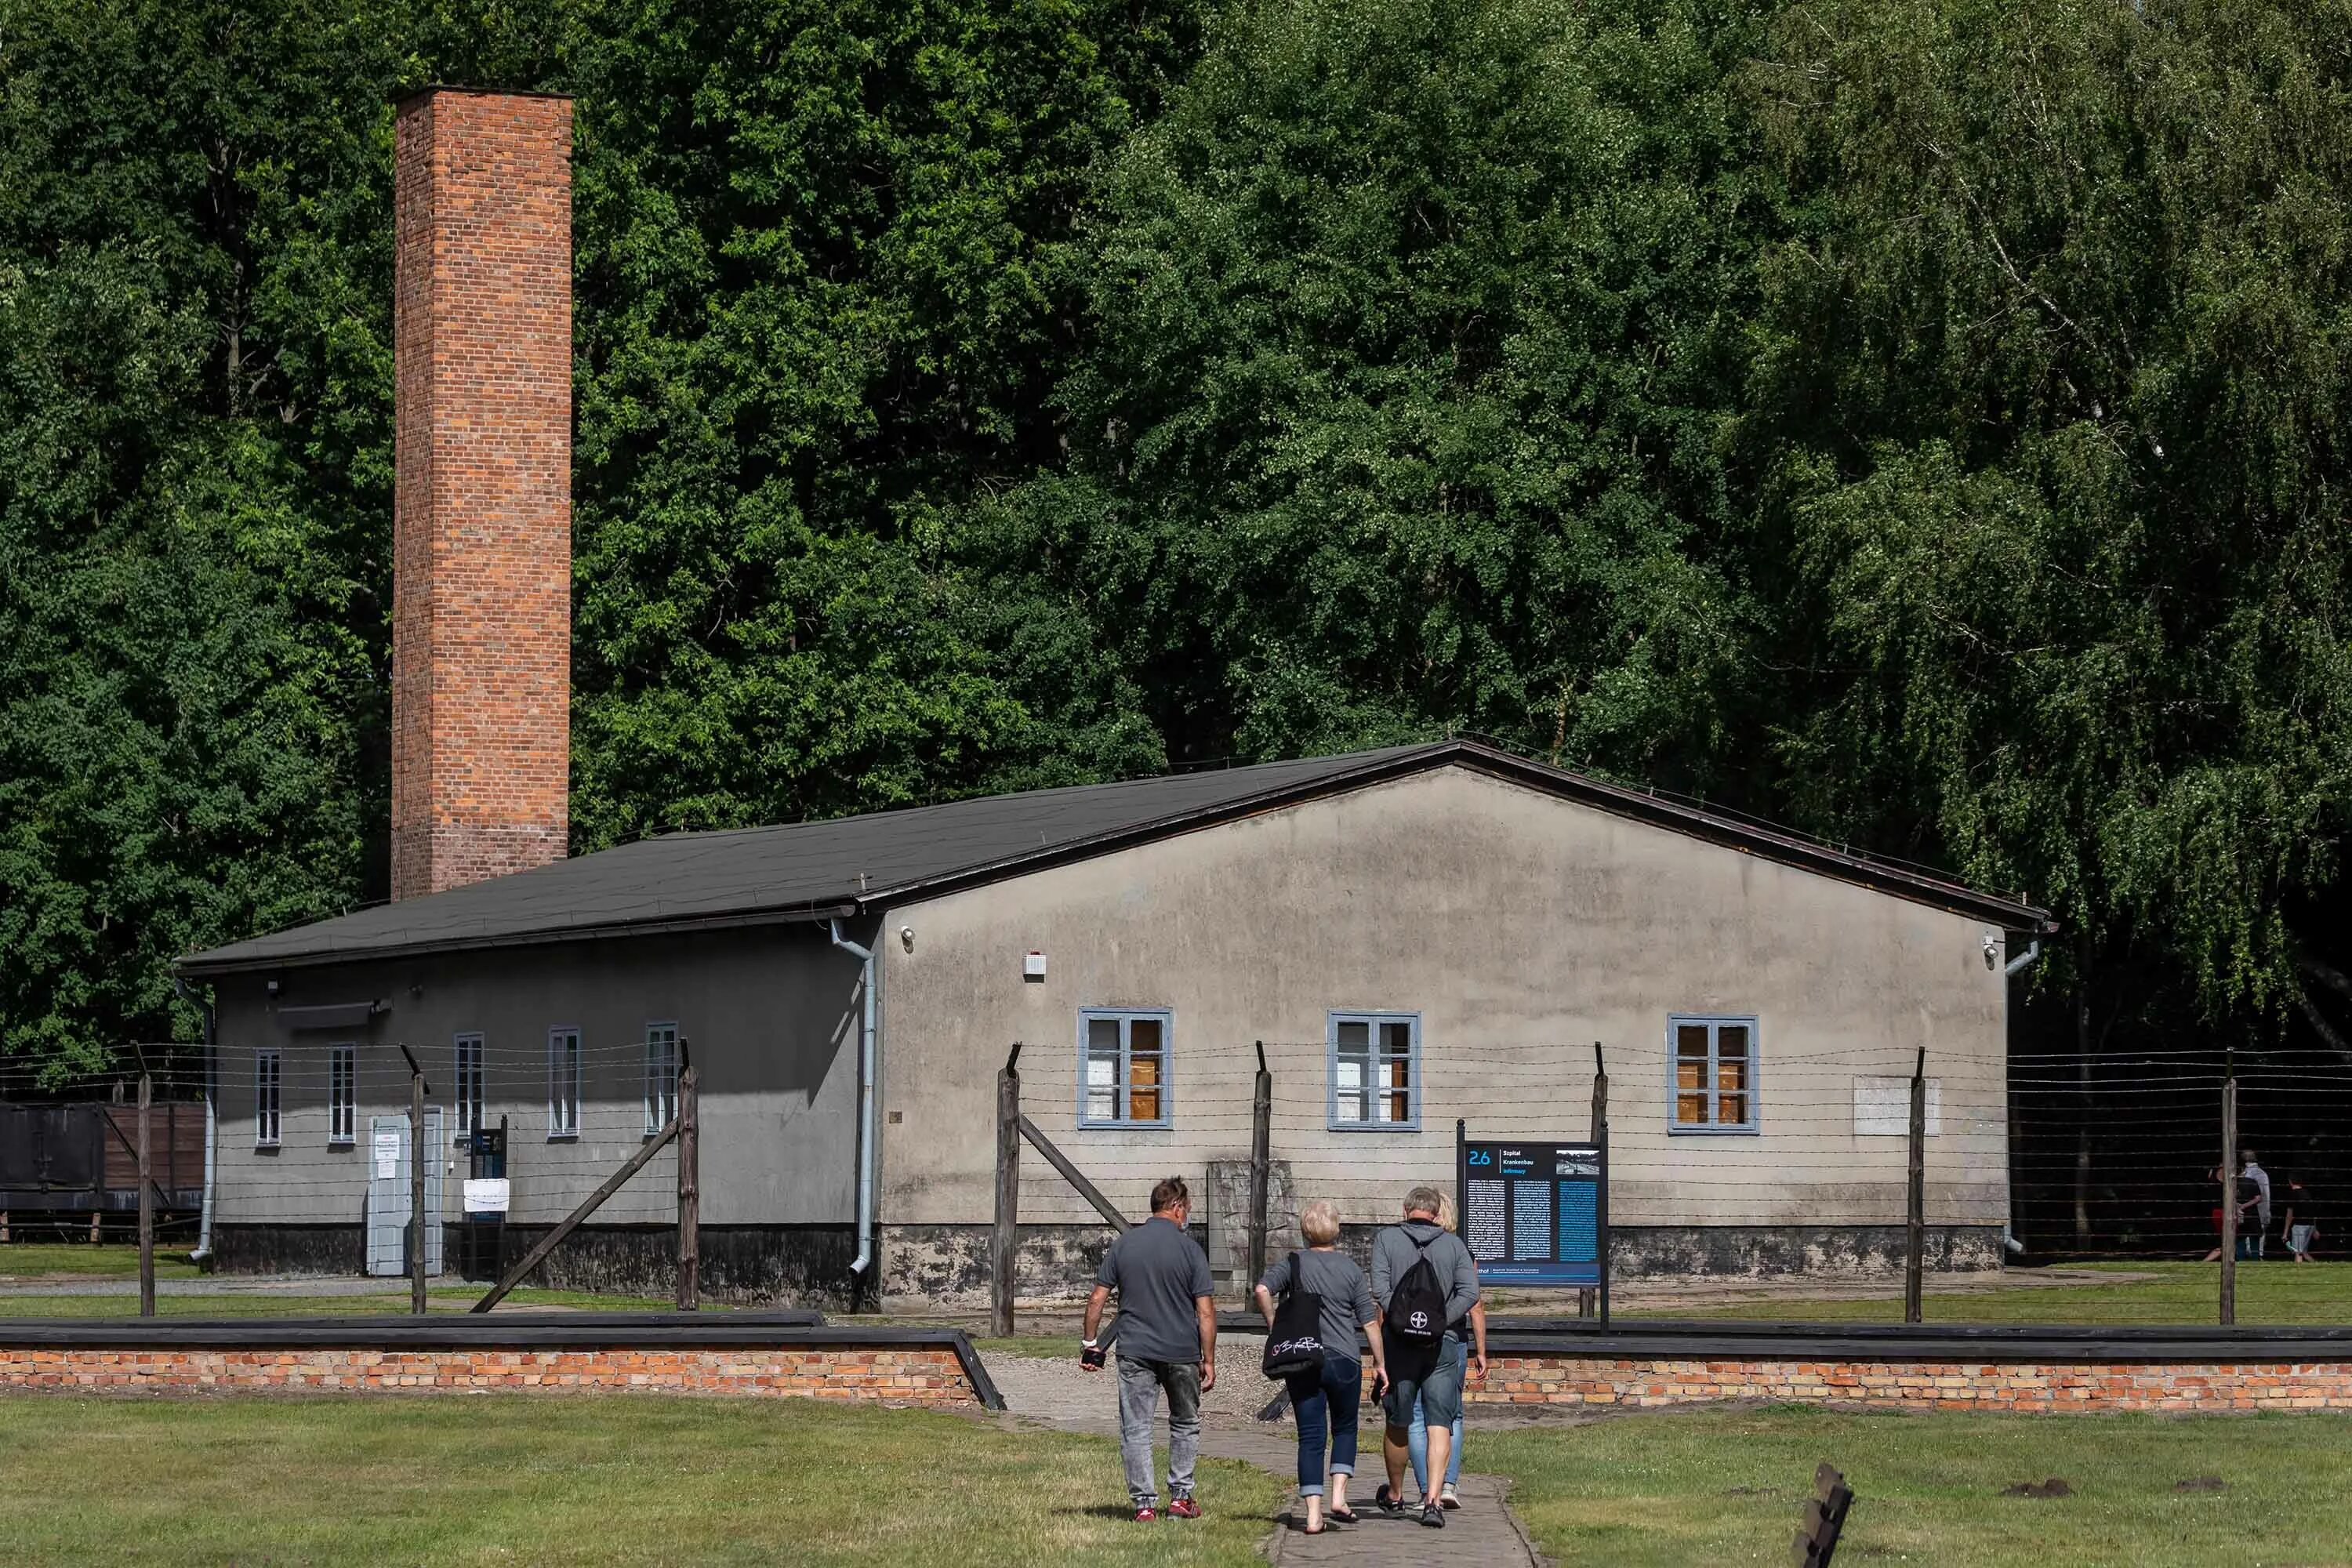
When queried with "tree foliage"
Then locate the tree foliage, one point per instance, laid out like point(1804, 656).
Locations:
point(1922, 420)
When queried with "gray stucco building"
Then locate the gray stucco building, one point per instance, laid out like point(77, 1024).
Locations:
point(1416, 935)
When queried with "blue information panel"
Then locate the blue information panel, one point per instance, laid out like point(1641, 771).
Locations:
point(1533, 1214)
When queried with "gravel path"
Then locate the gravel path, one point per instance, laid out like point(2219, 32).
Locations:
point(1059, 1393)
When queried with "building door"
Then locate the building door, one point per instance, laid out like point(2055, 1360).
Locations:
point(387, 1206)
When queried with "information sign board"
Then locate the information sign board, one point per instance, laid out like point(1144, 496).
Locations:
point(1535, 1211)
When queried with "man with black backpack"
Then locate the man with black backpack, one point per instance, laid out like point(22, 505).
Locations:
point(1425, 1282)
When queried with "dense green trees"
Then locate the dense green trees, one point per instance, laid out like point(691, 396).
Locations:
point(1920, 420)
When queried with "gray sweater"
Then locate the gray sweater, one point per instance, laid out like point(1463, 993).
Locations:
point(1395, 1249)
point(1347, 1304)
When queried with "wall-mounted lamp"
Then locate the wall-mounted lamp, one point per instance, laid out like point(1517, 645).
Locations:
point(1991, 949)
point(906, 938)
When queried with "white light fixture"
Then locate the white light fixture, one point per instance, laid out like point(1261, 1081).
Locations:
point(1034, 966)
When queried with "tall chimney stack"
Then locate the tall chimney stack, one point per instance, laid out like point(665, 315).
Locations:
point(481, 608)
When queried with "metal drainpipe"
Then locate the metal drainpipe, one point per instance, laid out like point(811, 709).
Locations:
point(204, 1251)
point(864, 1259)
point(2014, 967)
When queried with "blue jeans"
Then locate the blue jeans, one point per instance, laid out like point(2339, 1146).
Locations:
point(1419, 1439)
point(1331, 1396)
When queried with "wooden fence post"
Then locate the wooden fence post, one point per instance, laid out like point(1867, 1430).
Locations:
point(1825, 1513)
point(416, 1188)
point(146, 1203)
point(1004, 1253)
point(2230, 1198)
point(1915, 1241)
point(1261, 1170)
point(690, 1183)
point(1584, 1296)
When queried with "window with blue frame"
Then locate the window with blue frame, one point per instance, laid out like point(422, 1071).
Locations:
point(1122, 1068)
point(1375, 1070)
point(1711, 1074)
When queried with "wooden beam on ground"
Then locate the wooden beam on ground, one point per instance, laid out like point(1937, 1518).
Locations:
point(570, 1222)
point(1071, 1174)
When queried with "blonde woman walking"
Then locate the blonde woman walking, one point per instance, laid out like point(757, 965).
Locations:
point(1449, 1495)
point(1330, 1393)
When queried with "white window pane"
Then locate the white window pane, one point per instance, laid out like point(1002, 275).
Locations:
point(1102, 1070)
point(1102, 1105)
point(1350, 1075)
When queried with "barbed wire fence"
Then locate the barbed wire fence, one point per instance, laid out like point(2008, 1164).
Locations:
point(319, 1139)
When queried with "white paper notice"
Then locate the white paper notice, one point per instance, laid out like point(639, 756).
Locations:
point(1882, 1107)
point(486, 1194)
point(387, 1156)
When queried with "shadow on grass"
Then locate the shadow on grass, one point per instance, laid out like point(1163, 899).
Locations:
point(1099, 1510)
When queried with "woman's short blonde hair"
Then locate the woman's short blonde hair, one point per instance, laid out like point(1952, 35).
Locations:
point(1318, 1221)
point(1445, 1210)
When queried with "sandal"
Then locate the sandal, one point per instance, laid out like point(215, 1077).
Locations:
point(1341, 1515)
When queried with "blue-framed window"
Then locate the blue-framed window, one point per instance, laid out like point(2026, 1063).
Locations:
point(1375, 1071)
point(1711, 1085)
point(1123, 1068)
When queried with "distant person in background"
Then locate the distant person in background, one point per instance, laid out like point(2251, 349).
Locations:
point(2248, 1197)
point(2262, 1179)
point(1330, 1395)
point(1448, 1495)
point(2299, 1222)
point(1167, 1343)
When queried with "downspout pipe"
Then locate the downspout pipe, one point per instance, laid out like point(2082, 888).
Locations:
point(203, 1254)
point(864, 1259)
point(2010, 971)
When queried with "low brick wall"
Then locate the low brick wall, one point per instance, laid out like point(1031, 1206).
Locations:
point(1546, 1379)
point(914, 1375)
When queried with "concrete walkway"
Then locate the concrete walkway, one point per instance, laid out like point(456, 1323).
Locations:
point(1056, 1393)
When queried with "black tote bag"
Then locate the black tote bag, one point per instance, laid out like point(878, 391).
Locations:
point(1296, 1341)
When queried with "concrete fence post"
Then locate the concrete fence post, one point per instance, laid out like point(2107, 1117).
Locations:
point(146, 1201)
point(1004, 1247)
point(1261, 1170)
point(690, 1183)
point(1915, 1240)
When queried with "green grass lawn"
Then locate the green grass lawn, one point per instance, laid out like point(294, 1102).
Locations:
point(50, 1260)
point(255, 1304)
point(1728, 1486)
point(2268, 1292)
point(578, 1479)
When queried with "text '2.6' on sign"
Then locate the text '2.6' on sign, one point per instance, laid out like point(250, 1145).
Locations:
point(1534, 1213)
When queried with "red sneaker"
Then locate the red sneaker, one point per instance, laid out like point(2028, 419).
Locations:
point(1145, 1515)
point(1184, 1508)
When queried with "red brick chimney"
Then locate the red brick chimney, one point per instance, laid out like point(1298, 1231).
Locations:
point(481, 607)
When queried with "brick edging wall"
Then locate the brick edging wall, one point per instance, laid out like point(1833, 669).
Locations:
point(1920, 1386)
point(929, 1375)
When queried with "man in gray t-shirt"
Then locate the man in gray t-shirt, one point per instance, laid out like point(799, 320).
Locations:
point(1167, 1342)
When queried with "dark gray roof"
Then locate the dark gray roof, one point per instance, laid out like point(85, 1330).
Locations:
point(813, 870)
